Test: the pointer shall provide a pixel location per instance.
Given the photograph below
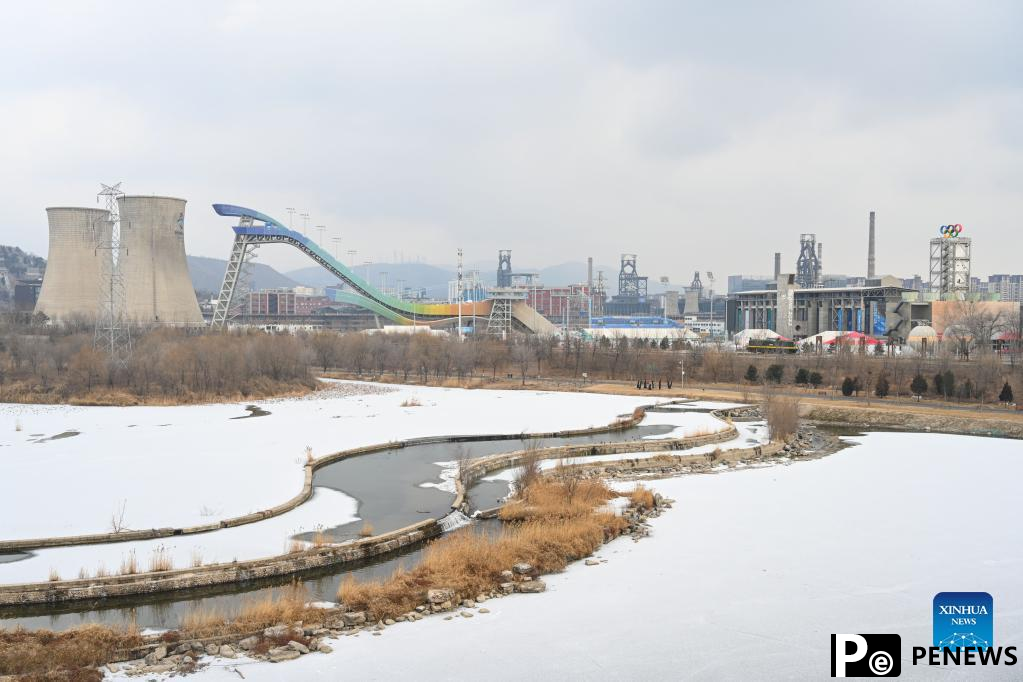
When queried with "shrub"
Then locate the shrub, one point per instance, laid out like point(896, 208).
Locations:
point(367, 530)
point(848, 386)
point(802, 376)
point(752, 374)
point(782, 416)
point(1006, 395)
point(774, 373)
point(918, 385)
point(881, 387)
point(939, 383)
point(816, 379)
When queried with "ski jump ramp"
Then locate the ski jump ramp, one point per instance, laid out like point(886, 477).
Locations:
point(255, 228)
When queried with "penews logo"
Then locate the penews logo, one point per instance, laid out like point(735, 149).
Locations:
point(877, 655)
point(963, 620)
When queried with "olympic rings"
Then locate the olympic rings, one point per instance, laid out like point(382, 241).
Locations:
point(950, 231)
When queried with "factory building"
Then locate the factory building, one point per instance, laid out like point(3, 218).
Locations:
point(71, 285)
point(878, 309)
point(154, 268)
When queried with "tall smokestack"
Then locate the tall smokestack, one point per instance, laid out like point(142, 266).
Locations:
point(589, 274)
point(777, 264)
point(820, 263)
point(870, 249)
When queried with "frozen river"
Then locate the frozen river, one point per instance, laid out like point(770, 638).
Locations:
point(747, 577)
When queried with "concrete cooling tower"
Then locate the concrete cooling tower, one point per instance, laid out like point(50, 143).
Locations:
point(156, 282)
point(74, 267)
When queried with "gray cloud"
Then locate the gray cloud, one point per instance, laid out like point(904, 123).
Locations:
point(699, 135)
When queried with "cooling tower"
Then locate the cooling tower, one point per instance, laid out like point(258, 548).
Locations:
point(157, 288)
point(74, 266)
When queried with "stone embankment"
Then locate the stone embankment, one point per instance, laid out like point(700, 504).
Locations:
point(168, 653)
point(13, 546)
point(944, 422)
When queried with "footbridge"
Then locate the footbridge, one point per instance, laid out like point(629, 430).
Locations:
point(255, 228)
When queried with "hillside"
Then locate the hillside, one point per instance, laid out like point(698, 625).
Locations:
point(208, 274)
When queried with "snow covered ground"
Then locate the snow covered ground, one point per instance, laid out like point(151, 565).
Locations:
point(265, 538)
point(189, 465)
point(746, 578)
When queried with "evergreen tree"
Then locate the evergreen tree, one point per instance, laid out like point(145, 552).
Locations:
point(774, 373)
point(816, 379)
point(919, 385)
point(752, 374)
point(1006, 395)
point(802, 376)
point(881, 388)
point(848, 386)
point(939, 383)
point(948, 382)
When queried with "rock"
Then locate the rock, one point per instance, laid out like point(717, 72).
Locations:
point(389, 621)
point(446, 605)
point(376, 634)
point(354, 618)
point(227, 651)
point(151, 659)
point(248, 642)
point(448, 617)
point(182, 648)
point(212, 650)
point(592, 562)
point(281, 654)
point(532, 587)
point(275, 631)
point(421, 608)
point(522, 568)
point(299, 647)
point(480, 598)
point(466, 614)
point(187, 660)
point(507, 588)
point(160, 652)
point(526, 579)
point(468, 603)
point(507, 575)
point(112, 667)
point(325, 649)
point(440, 595)
point(157, 669)
point(484, 610)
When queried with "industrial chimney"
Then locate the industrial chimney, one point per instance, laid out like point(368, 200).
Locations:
point(777, 264)
point(870, 249)
point(157, 286)
point(589, 275)
point(74, 266)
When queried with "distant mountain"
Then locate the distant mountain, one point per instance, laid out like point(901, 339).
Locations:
point(412, 275)
point(18, 262)
point(208, 274)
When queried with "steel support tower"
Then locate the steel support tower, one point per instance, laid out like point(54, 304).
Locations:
point(112, 334)
point(237, 278)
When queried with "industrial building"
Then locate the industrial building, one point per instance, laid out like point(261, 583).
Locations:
point(154, 269)
point(878, 309)
point(631, 298)
point(71, 284)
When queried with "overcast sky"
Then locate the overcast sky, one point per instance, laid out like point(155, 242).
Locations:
point(699, 135)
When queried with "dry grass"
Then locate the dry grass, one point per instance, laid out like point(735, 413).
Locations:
point(129, 564)
point(295, 546)
point(101, 570)
point(54, 576)
point(321, 539)
point(547, 528)
point(161, 560)
point(82, 573)
point(782, 416)
point(411, 402)
point(642, 498)
point(367, 530)
point(196, 558)
point(69, 655)
point(309, 454)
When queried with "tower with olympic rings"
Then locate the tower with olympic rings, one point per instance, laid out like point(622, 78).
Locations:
point(950, 261)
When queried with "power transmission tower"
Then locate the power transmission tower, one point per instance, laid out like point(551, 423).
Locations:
point(112, 333)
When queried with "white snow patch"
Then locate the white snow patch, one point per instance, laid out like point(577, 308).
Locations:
point(252, 541)
point(749, 572)
point(196, 464)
